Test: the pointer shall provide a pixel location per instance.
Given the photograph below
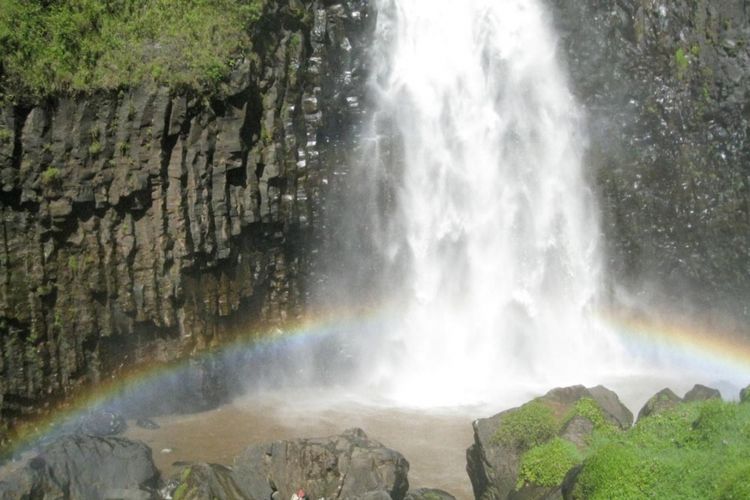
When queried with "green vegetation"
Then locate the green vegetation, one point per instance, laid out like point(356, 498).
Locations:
point(531, 425)
point(589, 409)
point(95, 148)
point(51, 46)
point(696, 450)
point(180, 492)
point(682, 63)
point(6, 135)
point(547, 464)
point(73, 263)
point(50, 176)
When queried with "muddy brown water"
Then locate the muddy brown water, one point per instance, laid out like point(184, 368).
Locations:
point(433, 442)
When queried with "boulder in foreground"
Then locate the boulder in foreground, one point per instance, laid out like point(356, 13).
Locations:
point(526, 452)
point(83, 467)
point(346, 466)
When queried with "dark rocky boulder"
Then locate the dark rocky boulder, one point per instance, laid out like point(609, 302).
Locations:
point(701, 393)
point(85, 467)
point(102, 423)
point(662, 400)
point(745, 395)
point(612, 406)
point(428, 494)
point(563, 417)
point(147, 423)
point(347, 466)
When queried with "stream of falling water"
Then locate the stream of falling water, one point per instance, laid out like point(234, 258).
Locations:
point(494, 223)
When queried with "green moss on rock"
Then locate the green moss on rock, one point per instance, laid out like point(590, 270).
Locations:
point(689, 451)
point(532, 424)
point(590, 409)
point(547, 464)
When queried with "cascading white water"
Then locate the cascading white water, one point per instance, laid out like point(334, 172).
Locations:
point(494, 221)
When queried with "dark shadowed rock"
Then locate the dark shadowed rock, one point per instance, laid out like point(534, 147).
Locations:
point(577, 431)
point(147, 423)
point(429, 494)
point(493, 460)
point(102, 423)
point(701, 393)
point(346, 466)
point(612, 406)
point(535, 493)
point(662, 400)
point(85, 467)
point(745, 395)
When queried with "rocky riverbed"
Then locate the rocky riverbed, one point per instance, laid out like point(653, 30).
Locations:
point(550, 447)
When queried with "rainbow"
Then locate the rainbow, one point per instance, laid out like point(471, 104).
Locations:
point(697, 343)
point(148, 375)
point(691, 344)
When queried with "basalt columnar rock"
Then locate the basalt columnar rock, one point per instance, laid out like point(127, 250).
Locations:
point(149, 224)
point(664, 86)
point(526, 452)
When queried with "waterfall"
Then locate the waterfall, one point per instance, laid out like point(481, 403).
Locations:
point(492, 241)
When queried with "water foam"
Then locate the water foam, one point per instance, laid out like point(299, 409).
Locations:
point(495, 234)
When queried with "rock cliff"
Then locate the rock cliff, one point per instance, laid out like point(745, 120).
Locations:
point(665, 87)
point(149, 224)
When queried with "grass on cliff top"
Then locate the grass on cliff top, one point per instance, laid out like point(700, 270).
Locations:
point(53, 46)
point(697, 450)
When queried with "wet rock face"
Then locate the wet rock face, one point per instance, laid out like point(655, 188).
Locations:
point(665, 85)
point(347, 466)
point(148, 224)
